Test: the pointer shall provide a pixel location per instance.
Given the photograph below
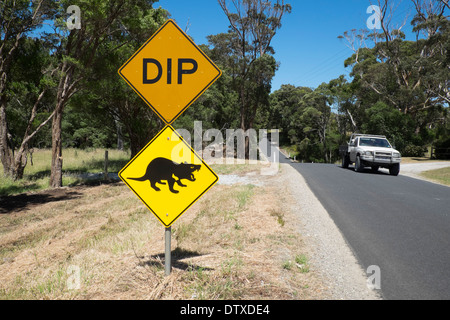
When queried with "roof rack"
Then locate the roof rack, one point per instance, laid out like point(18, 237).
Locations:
point(354, 135)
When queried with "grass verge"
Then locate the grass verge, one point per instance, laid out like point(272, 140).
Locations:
point(99, 242)
point(75, 163)
point(439, 175)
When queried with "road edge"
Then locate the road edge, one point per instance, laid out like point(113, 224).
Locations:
point(331, 254)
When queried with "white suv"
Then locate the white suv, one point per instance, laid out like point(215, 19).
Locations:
point(365, 150)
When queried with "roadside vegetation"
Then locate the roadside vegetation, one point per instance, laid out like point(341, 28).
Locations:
point(234, 243)
point(78, 164)
point(62, 104)
point(397, 83)
point(438, 175)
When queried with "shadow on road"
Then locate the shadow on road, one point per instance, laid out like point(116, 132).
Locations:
point(368, 171)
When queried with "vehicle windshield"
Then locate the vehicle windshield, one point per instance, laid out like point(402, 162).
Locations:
point(374, 142)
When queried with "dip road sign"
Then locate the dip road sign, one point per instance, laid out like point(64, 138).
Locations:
point(169, 72)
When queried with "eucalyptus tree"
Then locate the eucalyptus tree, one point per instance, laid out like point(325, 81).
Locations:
point(25, 79)
point(110, 97)
point(285, 104)
point(76, 51)
point(253, 23)
point(408, 76)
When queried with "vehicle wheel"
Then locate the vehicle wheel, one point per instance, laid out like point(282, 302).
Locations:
point(358, 165)
point(345, 161)
point(375, 168)
point(394, 170)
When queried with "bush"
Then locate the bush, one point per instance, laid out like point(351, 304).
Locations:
point(413, 151)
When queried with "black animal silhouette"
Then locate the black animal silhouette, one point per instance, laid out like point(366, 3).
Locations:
point(164, 169)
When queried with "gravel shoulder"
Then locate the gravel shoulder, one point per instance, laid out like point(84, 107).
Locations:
point(331, 255)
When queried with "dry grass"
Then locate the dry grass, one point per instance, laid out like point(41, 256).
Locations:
point(235, 243)
point(420, 160)
point(439, 175)
point(75, 162)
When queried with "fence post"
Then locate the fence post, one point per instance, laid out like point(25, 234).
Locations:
point(105, 171)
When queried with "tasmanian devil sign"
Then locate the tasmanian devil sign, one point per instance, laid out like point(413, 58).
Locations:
point(162, 169)
point(168, 176)
point(169, 72)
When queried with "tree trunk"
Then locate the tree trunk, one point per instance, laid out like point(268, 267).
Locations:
point(137, 142)
point(244, 124)
point(57, 160)
point(19, 164)
point(119, 135)
point(14, 164)
point(6, 152)
point(65, 91)
point(324, 143)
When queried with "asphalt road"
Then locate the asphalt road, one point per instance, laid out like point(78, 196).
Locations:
point(400, 224)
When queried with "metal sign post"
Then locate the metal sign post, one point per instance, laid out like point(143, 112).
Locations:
point(168, 256)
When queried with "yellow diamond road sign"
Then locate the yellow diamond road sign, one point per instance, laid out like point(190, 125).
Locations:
point(168, 176)
point(169, 72)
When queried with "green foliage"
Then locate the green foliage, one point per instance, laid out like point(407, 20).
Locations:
point(413, 151)
point(217, 107)
point(80, 131)
point(108, 110)
point(220, 106)
point(386, 120)
point(246, 53)
point(305, 116)
point(398, 88)
point(284, 104)
point(29, 77)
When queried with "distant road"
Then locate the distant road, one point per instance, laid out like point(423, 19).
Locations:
point(400, 224)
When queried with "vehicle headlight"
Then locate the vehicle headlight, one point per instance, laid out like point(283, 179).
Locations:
point(396, 155)
point(368, 153)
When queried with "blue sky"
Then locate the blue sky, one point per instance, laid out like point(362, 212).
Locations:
point(306, 46)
